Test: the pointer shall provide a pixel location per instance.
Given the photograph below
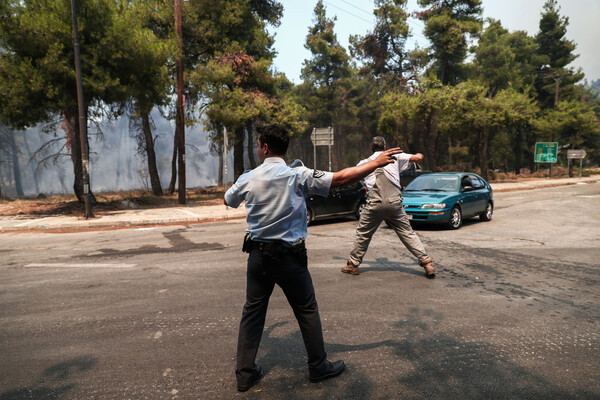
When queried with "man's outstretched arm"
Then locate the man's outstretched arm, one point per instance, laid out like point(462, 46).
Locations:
point(354, 174)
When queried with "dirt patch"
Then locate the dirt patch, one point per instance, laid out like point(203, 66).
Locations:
point(43, 205)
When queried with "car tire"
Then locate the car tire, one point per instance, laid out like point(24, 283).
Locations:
point(309, 216)
point(456, 219)
point(488, 213)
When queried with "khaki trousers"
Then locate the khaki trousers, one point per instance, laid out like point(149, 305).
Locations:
point(384, 204)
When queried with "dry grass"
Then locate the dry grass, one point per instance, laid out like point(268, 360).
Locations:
point(134, 199)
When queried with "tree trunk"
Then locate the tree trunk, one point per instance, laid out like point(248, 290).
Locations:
point(2, 193)
point(71, 128)
point(238, 153)
point(518, 152)
point(482, 151)
point(33, 170)
point(174, 162)
point(151, 155)
point(220, 180)
point(249, 129)
point(433, 144)
point(15, 162)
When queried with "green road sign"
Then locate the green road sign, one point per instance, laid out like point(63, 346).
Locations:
point(545, 152)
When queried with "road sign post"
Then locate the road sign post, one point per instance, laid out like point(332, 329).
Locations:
point(322, 137)
point(577, 155)
point(546, 152)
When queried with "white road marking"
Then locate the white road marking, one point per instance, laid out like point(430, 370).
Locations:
point(144, 229)
point(65, 265)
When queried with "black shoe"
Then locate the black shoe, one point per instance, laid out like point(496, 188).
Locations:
point(332, 369)
point(253, 380)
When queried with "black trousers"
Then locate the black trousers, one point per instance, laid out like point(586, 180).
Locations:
point(290, 272)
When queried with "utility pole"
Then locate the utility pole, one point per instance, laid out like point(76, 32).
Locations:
point(557, 77)
point(180, 106)
point(82, 119)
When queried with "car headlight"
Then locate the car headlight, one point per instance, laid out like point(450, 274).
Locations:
point(431, 206)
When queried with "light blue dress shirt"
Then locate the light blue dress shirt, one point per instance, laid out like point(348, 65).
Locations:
point(274, 194)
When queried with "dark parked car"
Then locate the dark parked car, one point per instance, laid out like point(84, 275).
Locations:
point(343, 201)
point(448, 198)
point(411, 173)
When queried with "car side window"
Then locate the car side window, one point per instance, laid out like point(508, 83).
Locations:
point(466, 182)
point(477, 184)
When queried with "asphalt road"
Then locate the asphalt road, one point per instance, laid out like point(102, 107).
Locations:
point(153, 313)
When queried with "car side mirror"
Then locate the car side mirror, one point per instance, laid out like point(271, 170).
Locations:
point(467, 188)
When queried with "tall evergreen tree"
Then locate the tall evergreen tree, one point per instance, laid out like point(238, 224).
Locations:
point(448, 25)
point(326, 76)
point(383, 50)
point(215, 33)
point(556, 81)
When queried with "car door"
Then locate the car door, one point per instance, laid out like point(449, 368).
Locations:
point(480, 191)
point(468, 200)
point(349, 197)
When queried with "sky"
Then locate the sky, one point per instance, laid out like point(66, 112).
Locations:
point(356, 17)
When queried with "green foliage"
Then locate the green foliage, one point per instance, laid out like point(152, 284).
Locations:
point(504, 59)
point(555, 54)
point(484, 114)
point(37, 70)
point(571, 122)
point(330, 61)
point(448, 25)
point(383, 50)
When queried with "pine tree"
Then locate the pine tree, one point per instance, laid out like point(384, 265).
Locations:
point(448, 25)
point(556, 81)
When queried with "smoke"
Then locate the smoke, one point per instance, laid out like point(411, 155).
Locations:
point(115, 164)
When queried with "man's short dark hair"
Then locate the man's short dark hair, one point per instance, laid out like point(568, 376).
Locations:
point(378, 144)
point(276, 136)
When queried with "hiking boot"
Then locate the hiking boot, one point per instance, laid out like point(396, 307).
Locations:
point(427, 264)
point(349, 268)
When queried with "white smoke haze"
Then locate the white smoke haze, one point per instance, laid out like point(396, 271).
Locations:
point(115, 164)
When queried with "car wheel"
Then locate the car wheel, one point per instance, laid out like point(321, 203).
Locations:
point(487, 214)
point(309, 216)
point(455, 218)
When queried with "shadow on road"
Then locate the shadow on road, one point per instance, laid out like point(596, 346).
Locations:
point(429, 367)
point(52, 385)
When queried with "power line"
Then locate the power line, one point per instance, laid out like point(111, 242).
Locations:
point(346, 11)
point(358, 8)
point(415, 29)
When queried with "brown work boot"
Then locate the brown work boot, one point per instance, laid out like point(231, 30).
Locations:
point(349, 268)
point(427, 264)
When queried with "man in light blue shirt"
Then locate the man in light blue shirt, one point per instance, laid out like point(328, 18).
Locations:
point(276, 214)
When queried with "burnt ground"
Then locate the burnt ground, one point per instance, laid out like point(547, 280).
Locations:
point(43, 205)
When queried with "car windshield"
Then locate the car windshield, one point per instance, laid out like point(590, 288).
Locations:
point(434, 183)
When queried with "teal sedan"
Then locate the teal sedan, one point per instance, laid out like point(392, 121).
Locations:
point(448, 198)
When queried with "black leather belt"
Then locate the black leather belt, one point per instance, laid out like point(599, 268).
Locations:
point(266, 246)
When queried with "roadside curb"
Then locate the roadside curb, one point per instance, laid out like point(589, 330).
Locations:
point(130, 219)
point(123, 219)
point(501, 187)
